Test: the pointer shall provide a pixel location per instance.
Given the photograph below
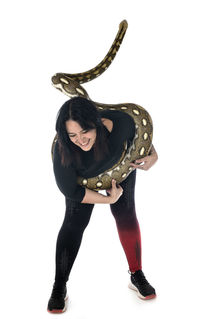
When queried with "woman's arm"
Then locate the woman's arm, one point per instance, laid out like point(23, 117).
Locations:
point(148, 161)
point(114, 192)
point(92, 197)
point(66, 179)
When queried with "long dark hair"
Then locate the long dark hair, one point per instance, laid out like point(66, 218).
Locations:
point(86, 114)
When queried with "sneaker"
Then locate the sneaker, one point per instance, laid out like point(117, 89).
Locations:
point(58, 300)
point(141, 286)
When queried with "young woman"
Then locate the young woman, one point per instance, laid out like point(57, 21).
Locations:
point(90, 142)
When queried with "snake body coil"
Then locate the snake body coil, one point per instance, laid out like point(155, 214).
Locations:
point(69, 84)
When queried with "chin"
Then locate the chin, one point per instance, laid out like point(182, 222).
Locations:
point(87, 148)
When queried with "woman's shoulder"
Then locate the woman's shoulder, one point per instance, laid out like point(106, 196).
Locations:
point(123, 127)
point(107, 123)
point(109, 118)
point(114, 114)
point(115, 119)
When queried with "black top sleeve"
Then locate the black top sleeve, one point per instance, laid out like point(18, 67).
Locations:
point(66, 178)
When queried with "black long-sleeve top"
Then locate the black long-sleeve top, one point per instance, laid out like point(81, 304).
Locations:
point(66, 178)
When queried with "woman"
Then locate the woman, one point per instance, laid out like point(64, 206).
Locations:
point(89, 142)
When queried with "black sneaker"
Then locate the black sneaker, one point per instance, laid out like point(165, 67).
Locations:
point(58, 300)
point(141, 285)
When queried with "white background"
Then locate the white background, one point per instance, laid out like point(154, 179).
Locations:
point(157, 67)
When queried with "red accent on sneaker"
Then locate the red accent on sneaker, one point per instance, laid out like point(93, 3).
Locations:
point(55, 310)
point(148, 297)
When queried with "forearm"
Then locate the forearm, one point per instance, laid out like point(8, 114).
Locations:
point(92, 197)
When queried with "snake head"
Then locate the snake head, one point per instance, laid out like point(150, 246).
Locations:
point(68, 86)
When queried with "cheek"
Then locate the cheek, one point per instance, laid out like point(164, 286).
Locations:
point(93, 135)
point(90, 135)
point(72, 139)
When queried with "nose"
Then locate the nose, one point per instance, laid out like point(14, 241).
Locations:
point(81, 140)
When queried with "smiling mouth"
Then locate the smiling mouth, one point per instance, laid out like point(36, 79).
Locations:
point(85, 144)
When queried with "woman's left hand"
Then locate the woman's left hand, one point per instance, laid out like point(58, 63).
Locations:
point(146, 162)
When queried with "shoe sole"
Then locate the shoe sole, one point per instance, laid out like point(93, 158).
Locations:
point(60, 310)
point(131, 286)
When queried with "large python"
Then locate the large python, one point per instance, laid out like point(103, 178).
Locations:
point(69, 84)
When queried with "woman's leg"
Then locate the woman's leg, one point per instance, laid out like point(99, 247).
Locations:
point(127, 224)
point(76, 219)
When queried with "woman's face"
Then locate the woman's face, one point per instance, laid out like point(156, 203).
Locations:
point(82, 138)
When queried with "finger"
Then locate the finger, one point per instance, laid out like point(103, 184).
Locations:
point(141, 160)
point(136, 165)
point(144, 167)
point(140, 166)
point(113, 182)
point(132, 165)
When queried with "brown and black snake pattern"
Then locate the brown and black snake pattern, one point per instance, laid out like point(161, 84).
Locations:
point(69, 84)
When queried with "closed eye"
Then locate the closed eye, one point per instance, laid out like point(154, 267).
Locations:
point(75, 134)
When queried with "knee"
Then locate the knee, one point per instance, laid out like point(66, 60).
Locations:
point(76, 218)
point(125, 216)
point(77, 222)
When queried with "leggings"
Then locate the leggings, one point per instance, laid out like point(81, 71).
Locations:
point(76, 219)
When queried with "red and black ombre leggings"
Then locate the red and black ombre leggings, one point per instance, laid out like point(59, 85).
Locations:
point(76, 219)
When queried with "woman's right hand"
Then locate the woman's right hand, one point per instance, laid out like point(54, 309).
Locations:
point(115, 192)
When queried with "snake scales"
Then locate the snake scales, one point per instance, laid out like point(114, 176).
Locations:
point(69, 84)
